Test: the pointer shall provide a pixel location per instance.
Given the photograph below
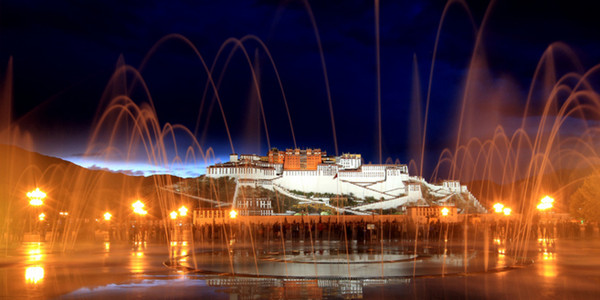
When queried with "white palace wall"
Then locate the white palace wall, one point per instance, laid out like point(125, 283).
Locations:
point(360, 186)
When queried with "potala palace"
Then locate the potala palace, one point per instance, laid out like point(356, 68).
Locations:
point(312, 171)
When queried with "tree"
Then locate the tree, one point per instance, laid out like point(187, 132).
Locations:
point(585, 202)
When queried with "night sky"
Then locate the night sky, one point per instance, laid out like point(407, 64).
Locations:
point(64, 53)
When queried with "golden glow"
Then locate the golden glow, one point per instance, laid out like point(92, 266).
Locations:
point(233, 214)
point(183, 211)
point(546, 203)
point(547, 255)
point(173, 215)
point(138, 261)
point(498, 207)
point(34, 274)
point(548, 268)
point(138, 208)
point(63, 213)
point(107, 216)
point(42, 216)
point(106, 246)
point(445, 211)
point(36, 197)
point(507, 211)
point(35, 252)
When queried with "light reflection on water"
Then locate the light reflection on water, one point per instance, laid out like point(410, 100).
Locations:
point(141, 264)
point(33, 275)
point(138, 260)
point(547, 258)
point(242, 287)
point(34, 272)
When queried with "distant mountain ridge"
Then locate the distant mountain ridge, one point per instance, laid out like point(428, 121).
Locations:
point(70, 186)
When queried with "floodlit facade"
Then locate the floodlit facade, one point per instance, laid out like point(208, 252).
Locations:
point(312, 171)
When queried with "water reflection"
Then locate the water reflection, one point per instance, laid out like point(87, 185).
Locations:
point(138, 260)
point(34, 272)
point(179, 252)
point(33, 275)
point(547, 257)
point(270, 288)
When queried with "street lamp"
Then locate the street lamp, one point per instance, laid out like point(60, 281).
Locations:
point(183, 211)
point(507, 211)
point(545, 203)
point(139, 233)
point(498, 207)
point(107, 216)
point(445, 211)
point(138, 208)
point(35, 197)
point(173, 215)
point(233, 214)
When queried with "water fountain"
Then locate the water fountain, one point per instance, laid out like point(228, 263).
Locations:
point(282, 252)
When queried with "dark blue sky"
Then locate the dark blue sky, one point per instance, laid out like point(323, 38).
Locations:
point(64, 53)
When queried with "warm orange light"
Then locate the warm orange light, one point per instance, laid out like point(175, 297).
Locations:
point(183, 211)
point(507, 211)
point(34, 274)
point(42, 216)
point(233, 214)
point(445, 211)
point(107, 216)
point(546, 203)
point(138, 208)
point(498, 207)
point(173, 215)
point(36, 196)
point(547, 199)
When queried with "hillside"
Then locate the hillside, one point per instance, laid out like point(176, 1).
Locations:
point(82, 192)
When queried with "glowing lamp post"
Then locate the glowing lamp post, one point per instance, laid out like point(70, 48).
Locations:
point(445, 211)
point(42, 217)
point(107, 216)
point(36, 197)
point(138, 208)
point(173, 215)
point(545, 203)
point(544, 207)
point(233, 214)
point(183, 211)
point(507, 211)
point(498, 207)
